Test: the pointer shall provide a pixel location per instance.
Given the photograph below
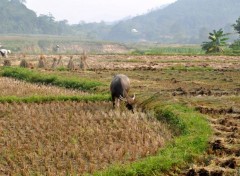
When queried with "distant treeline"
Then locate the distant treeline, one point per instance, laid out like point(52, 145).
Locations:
point(16, 18)
point(185, 21)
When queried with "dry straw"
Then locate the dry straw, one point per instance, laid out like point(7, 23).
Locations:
point(60, 62)
point(41, 62)
point(12, 87)
point(71, 65)
point(24, 63)
point(75, 136)
point(83, 61)
point(6, 62)
point(54, 64)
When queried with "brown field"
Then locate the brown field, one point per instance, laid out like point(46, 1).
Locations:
point(131, 62)
point(12, 87)
point(210, 84)
point(56, 138)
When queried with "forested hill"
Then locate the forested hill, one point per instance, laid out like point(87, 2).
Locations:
point(17, 18)
point(185, 21)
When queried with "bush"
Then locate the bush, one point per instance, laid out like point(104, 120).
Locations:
point(235, 45)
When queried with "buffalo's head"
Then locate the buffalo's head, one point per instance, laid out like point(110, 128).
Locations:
point(130, 101)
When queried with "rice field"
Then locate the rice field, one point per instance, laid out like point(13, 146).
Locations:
point(73, 138)
point(68, 137)
point(13, 87)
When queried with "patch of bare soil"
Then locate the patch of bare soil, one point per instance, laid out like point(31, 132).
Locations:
point(201, 91)
point(223, 155)
point(131, 62)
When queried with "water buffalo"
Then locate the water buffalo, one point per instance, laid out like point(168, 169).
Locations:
point(119, 88)
point(4, 52)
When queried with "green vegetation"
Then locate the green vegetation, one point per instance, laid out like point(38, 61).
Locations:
point(193, 69)
point(236, 45)
point(16, 18)
point(195, 132)
point(237, 26)
point(178, 50)
point(217, 43)
point(37, 77)
point(185, 21)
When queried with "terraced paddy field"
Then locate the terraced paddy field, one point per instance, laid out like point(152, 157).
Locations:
point(186, 121)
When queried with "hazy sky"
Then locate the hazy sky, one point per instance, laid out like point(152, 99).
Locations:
point(93, 10)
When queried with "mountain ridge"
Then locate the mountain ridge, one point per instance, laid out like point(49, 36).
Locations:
point(184, 21)
point(179, 22)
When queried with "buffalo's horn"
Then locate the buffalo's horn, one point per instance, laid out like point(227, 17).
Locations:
point(121, 98)
point(134, 96)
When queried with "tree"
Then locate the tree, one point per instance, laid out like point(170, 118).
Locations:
point(218, 41)
point(237, 26)
point(236, 44)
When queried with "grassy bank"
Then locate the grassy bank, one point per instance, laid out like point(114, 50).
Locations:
point(170, 50)
point(33, 76)
point(192, 141)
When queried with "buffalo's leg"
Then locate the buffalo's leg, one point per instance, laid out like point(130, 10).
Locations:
point(118, 102)
point(113, 101)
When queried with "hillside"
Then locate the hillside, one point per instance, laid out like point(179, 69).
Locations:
point(18, 19)
point(185, 21)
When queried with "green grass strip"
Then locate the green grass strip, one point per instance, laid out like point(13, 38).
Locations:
point(41, 99)
point(37, 77)
point(191, 143)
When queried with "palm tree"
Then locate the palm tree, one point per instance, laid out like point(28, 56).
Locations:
point(218, 41)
